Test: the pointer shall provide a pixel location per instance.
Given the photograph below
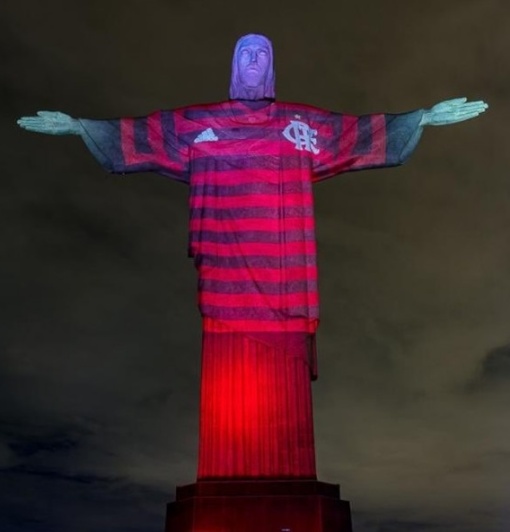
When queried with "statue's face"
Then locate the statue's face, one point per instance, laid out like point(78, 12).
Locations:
point(253, 61)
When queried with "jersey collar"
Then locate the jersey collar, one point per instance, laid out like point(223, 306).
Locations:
point(251, 111)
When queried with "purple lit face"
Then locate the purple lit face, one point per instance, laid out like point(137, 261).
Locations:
point(253, 76)
point(253, 62)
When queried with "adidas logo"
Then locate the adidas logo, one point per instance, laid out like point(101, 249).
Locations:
point(206, 136)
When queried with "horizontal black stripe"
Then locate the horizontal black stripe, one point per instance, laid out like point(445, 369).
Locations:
point(254, 261)
point(258, 313)
point(249, 189)
point(257, 287)
point(263, 237)
point(250, 212)
point(302, 160)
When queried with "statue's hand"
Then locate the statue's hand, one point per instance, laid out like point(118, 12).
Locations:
point(452, 111)
point(51, 123)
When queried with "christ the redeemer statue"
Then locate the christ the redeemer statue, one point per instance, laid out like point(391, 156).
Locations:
point(250, 163)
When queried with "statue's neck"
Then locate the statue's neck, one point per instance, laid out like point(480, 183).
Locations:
point(247, 93)
point(254, 105)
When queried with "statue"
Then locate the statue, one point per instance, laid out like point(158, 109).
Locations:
point(250, 163)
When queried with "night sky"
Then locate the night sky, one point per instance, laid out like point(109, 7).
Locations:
point(100, 335)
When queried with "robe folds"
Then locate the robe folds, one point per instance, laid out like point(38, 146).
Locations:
point(250, 170)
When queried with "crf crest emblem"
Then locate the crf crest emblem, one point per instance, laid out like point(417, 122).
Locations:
point(302, 136)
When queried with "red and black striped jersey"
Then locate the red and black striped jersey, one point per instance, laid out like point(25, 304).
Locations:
point(250, 170)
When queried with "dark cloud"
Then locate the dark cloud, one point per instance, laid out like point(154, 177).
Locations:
point(496, 365)
point(54, 443)
point(84, 504)
point(408, 526)
point(492, 377)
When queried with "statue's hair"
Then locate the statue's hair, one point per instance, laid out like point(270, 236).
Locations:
point(237, 90)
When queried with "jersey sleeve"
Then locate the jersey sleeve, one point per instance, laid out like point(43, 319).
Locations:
point(347, 142)
point(145, 144)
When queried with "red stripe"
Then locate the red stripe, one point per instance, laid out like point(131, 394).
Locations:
point(256, 248)
point(252, 224)
point(296, 273)
point(259, 300)
point(240, 177)
point(348, 136)
point(252, 200)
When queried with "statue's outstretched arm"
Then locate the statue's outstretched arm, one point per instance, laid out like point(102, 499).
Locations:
point(452, 111)
point(51, 123)
point(115, 142)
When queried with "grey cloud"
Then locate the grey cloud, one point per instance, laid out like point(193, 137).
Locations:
point(496, 365)
point(409, 526)
point(493, 373)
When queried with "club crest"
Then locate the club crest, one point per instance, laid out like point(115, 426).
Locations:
point(302, 136)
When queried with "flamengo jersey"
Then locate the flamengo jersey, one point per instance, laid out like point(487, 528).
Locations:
point(250, 167)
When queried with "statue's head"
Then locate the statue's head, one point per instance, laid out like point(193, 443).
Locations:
point(252, 69)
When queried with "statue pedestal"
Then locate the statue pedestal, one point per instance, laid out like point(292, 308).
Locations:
point(258, 506)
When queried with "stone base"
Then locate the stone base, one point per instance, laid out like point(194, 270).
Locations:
point(259, 506)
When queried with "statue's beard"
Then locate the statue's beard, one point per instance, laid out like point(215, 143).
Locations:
point(250, 90)
point(253, 79)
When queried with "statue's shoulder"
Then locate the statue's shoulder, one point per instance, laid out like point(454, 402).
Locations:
point(200, 110)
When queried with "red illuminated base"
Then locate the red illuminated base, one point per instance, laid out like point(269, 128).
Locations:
point(259, 506)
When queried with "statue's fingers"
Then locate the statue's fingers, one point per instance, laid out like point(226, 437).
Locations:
point(25, 121)
point(459, 114)
point(448, 118)
point(469, 107)
point(478, 110)
point(478, 103)
point(46, 114)
point(466, 116)
point(468, 111)
point(472, 106)
point(459, 108)
point(30, 121)
point(35, 123)
point(27, 118)
point(32, 127)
